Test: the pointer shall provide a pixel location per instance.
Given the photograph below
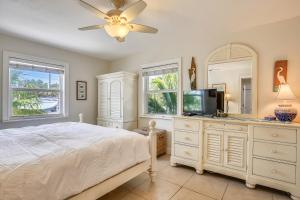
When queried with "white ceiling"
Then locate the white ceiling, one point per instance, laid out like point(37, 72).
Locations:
point(55, 22)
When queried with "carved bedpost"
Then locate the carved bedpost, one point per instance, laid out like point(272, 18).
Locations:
point(153, 143)
point(80, 117)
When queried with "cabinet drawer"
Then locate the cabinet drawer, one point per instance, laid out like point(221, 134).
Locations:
point(212, 125)
point(274, 170)
point(187, 152)
point(275, 134)
point(186, 137)
point(236, 127)
point(189, 125)
point(275, 151)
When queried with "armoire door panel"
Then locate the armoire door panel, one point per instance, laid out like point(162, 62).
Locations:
point(116, 99)
point(103, 97)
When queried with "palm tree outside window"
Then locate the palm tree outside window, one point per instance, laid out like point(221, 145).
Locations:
point(161, 86)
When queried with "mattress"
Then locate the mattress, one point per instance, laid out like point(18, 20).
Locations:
point(56, 161)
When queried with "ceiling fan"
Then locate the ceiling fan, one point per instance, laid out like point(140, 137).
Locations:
point(118, 21)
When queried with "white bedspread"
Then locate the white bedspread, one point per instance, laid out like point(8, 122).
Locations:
point(58, 160)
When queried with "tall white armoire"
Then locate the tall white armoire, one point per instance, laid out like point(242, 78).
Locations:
point(117, 100)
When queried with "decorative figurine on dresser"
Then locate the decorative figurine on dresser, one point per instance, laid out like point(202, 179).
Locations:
point(259, 151)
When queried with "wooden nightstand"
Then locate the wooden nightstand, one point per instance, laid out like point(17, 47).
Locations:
point(161, 139)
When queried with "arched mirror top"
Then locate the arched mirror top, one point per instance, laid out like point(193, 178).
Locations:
point(230, 53)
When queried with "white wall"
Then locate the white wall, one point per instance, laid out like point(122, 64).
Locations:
point(81, 68)
point(273, 41)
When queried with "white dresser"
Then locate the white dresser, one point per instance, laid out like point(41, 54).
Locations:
point(117, 100)
point(186, 143)
point(263, 153)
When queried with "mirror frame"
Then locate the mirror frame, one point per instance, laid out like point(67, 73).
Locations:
point(235, 52)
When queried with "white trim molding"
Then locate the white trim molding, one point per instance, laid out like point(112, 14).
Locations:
point(6, 116)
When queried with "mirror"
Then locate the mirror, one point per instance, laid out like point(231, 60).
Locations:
point(232, 69)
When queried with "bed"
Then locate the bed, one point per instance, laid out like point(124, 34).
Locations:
point(71, 160)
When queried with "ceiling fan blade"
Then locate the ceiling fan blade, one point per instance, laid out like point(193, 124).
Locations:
point(96, 11)
point(132, 11)
point(142, 28)
point(94, 27)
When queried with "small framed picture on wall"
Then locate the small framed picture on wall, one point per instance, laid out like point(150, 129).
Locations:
point(81, 90)
point(221, 87)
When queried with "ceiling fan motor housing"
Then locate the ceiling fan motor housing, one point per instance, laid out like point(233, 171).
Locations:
point(118, 3)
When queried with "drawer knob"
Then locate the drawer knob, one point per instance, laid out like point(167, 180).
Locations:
point(187, 125)
point(187, 153)
point(274, 135)
point(187, 138)
point(274, 171)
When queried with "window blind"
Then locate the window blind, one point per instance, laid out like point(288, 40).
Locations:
point(160, 70)
point(29, 65)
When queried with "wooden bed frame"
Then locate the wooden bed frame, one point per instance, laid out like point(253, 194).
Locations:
point(112, 183)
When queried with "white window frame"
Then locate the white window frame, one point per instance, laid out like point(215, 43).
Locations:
point(6, 101)
point(142, 103)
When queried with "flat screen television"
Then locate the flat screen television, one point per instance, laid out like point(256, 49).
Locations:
point(200, 102)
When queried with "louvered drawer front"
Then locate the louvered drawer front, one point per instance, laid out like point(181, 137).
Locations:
point(275, 134)
point(186, 152)
point(213, 149)
point(234, 150)
point(275, 151)
point(236, 127)
point(187, 137)
point(212, 125)
point(274, 170)
point(189, 125)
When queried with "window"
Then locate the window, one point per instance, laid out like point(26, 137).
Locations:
point(34, 88)
point(161, 84)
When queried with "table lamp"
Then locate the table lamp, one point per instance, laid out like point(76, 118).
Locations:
point(227, 98)
point(285, 111)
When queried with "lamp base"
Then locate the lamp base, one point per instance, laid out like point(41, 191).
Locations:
point(285, 113)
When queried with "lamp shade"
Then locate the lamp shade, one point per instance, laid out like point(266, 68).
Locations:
point(285, 93)
point(227, 96)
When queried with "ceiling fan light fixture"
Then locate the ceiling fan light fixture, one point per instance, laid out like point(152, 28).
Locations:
point(117, 30)
point(119, 21)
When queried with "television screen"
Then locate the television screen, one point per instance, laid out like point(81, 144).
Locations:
point(192, 102)
point(200, 102)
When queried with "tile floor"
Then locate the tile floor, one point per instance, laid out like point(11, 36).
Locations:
point(181, 183)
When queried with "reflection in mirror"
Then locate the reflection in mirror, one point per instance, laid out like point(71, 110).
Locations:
point(235, 80)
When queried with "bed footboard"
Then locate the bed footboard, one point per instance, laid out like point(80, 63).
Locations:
point(152, 144)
